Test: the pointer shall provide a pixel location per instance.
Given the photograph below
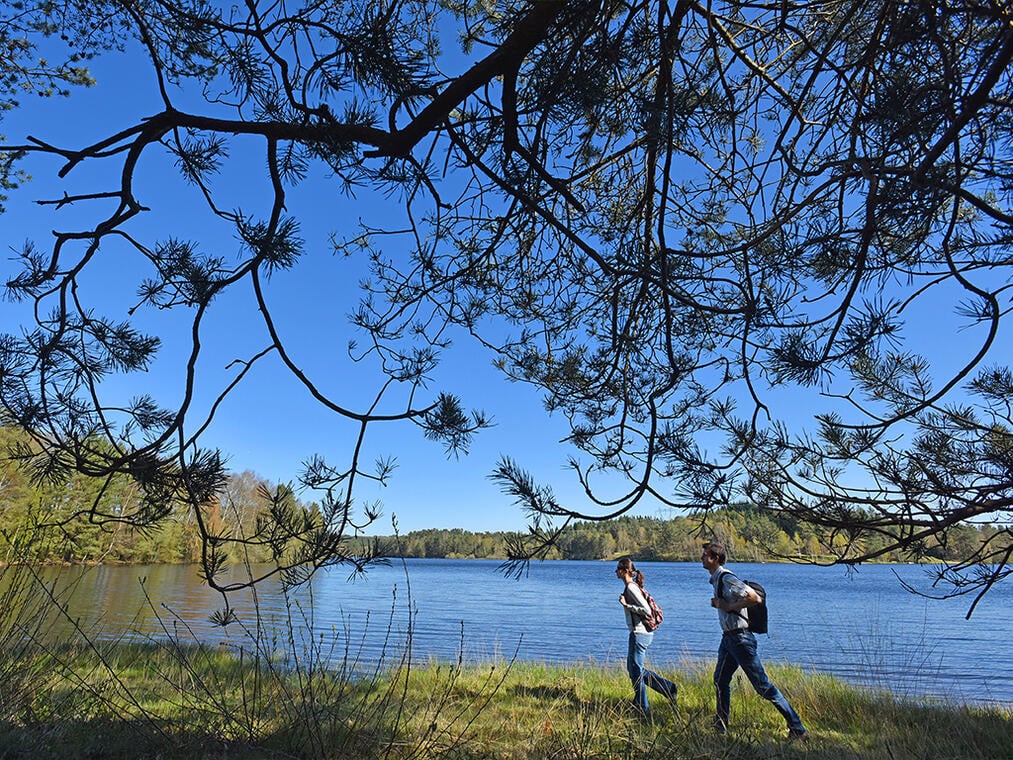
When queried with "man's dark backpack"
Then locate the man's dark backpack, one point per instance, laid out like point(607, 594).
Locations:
point(756, 616)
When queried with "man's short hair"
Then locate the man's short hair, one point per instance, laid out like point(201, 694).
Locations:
point(716, 549)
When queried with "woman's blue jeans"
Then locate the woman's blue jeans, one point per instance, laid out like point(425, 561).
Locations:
point(738, 650)
point(641, 677)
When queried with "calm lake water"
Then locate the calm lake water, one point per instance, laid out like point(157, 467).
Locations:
point(862, 626)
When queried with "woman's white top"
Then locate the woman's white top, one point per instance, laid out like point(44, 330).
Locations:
point(638, 608)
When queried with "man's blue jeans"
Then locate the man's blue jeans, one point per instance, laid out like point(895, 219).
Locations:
point(642, 678)
point(738, 650)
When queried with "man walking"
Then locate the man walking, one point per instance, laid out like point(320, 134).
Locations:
point(732, 598)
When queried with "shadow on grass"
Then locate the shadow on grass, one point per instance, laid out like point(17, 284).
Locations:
point(116, 740)
point(551, 693)
point(429, 725)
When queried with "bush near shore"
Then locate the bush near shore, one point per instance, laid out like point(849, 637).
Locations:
point(174, 702)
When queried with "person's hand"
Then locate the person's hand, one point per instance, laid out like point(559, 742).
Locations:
point(717, 603)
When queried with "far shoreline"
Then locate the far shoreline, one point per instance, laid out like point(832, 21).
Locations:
point(391, 558)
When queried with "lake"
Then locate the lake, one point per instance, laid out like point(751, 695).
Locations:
point(861, 625)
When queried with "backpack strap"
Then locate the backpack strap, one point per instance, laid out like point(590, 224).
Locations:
point(647, 599)
point(721, 582)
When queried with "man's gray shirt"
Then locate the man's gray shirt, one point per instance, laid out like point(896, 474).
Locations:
point(732, 590)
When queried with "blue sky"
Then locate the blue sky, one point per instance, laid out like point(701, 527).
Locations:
point(270, 424)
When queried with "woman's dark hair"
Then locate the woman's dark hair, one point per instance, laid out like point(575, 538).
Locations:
point(626, 565)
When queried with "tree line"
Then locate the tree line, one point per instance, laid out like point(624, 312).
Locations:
point(48, 519)
point(52, 518)
point(752, 535)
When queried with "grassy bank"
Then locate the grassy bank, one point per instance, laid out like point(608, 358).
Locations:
point(128, 701)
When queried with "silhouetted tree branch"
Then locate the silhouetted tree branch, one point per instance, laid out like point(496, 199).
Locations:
point(664, 215)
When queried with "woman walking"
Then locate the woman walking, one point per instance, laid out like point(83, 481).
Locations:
point(634, 602)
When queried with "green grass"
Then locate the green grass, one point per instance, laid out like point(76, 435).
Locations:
point(128, 701)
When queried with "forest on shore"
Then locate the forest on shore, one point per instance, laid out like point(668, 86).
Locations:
point(51, 517)
point(751, 534)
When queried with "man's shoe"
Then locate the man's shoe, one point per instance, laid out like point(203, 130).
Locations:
point(720, 727)
point(798, 735)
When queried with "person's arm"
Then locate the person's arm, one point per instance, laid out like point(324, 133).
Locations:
point(749, 599)
point(638, 604)
point(743, 596)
